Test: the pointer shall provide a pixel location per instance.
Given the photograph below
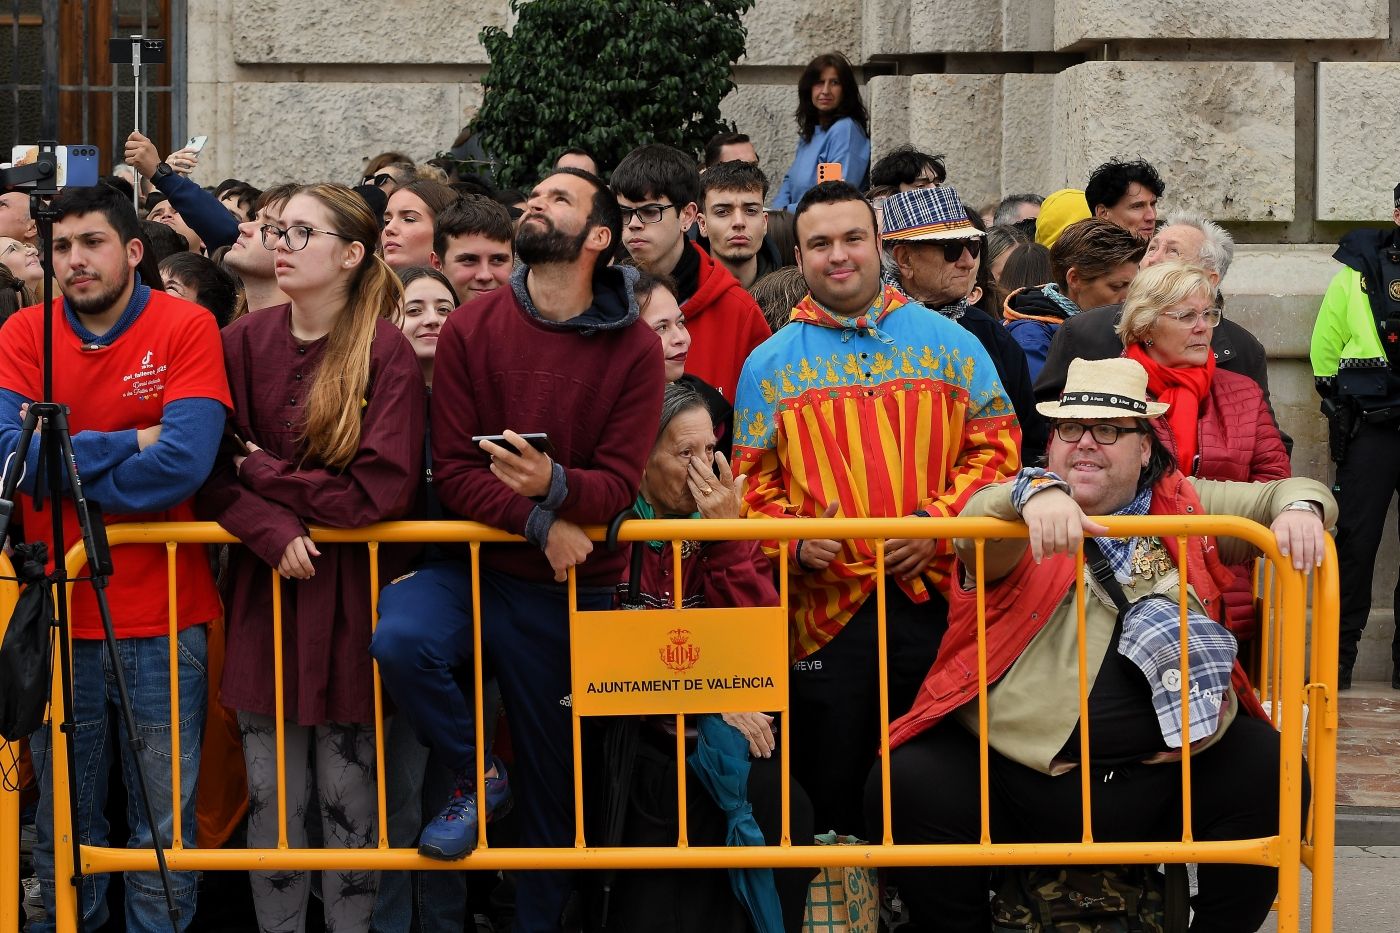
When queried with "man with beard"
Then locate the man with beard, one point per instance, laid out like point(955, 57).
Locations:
point(253, 264)
point(555, 353)
point(733, 223)
point(143, 376)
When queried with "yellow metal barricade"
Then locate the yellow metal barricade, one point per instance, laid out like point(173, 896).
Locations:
point(9, 799)
point(749, 666)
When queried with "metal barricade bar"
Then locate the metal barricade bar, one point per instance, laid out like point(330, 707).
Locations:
point(1284, 660)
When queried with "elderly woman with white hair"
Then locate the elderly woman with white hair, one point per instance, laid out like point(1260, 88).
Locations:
point(1219, 425)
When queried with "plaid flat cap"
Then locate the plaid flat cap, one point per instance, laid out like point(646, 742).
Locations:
point(927, 214)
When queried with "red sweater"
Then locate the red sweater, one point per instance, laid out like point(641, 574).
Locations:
point(592, 384)
point(725, 324)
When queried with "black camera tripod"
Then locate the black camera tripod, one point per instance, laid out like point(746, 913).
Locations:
point(57, 466)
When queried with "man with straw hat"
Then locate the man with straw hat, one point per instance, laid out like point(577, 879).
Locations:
point(1103, 459)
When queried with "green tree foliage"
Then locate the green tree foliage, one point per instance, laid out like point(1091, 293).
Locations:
point(606, 75)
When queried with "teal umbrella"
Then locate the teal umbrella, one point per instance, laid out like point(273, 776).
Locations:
point(721, 762)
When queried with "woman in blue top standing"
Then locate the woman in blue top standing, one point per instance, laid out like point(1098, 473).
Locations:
point(834, 128)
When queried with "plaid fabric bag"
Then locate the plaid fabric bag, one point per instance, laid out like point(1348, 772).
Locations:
point(842, 900)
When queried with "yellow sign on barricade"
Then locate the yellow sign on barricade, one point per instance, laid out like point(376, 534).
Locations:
point(686, 661)
point(627, 662)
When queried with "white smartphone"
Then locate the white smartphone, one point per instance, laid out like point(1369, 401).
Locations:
point(196, 144)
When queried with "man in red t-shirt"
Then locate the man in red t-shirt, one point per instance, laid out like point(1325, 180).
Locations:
point(142, 374)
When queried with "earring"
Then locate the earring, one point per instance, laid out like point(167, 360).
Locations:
point(1148, 342)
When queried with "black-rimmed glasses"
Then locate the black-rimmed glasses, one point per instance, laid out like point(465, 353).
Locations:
point(649, 213)
point(296, 236)
point(1106, 434)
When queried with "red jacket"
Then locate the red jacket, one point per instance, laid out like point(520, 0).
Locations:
point(1237, 441)
point(725, 324)
point(1019, 605)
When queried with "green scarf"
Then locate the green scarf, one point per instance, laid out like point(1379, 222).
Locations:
point(644, 510)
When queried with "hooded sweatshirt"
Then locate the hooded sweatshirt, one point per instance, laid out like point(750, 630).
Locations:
point(724, 321)
point(1032, 315)
point(593, 384)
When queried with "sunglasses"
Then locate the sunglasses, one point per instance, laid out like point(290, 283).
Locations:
point(953, 249)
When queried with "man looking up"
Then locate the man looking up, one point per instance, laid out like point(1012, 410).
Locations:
point(1126, 193)
point(143, 376)
point(555, 353)
point(472, 238)
point(733, 223)
point(250, 261)
point(15, 221)
point(657, 188)
point(867, 406)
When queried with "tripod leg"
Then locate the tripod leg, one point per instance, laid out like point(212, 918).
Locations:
point(59, 428)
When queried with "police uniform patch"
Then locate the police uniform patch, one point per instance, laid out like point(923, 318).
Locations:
point(1395, 290)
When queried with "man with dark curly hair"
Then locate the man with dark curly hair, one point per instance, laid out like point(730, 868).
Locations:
point(1126, 193)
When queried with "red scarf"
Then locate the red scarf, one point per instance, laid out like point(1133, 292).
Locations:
point(1184, 389)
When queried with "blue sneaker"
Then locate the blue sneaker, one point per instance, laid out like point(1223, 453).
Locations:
point(452, 833)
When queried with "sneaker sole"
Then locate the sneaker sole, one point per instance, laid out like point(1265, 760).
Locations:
point(434, 852)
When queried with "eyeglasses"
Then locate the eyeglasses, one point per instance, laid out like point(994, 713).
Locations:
point(296, 237)
point(649, 213)
point(1210, 315)
point(1106, 434)
point(953, 249)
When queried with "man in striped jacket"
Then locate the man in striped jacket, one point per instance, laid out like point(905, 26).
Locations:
point(868, 405)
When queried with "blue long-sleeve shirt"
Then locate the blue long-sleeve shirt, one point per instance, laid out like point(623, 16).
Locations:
point(115, 472)
point(844, 141)
point(200, 209)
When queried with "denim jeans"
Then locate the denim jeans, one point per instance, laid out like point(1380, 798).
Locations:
point(414, 781)
point(96, 715)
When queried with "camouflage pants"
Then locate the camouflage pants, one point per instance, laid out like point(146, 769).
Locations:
point(340, 758)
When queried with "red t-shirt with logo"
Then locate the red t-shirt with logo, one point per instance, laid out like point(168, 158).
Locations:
point(171, 352)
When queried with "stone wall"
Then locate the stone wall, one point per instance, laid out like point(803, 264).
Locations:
point(1277, 118)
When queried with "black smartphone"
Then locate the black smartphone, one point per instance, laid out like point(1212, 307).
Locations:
point(240, 446)
point(538, 441)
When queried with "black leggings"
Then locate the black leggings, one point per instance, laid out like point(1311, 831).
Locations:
point(934, 787)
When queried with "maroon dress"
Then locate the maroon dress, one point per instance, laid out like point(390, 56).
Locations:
point(326, 619)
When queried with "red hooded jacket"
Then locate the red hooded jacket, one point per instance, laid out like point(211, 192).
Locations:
point(725, 324)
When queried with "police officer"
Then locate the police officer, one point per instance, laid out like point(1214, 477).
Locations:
point(1356, 365)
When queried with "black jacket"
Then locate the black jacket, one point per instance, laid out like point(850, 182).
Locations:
point(1010, 361)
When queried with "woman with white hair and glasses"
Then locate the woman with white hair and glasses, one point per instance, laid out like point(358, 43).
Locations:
point(1219, 426)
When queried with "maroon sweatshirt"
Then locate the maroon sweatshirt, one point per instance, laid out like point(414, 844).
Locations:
point(593, 384)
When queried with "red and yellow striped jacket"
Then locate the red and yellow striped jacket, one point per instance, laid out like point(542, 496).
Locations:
point(896, 413)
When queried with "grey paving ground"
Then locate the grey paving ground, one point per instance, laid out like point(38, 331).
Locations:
point(1367, 894)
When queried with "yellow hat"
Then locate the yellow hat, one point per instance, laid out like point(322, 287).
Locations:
point(1064, 207)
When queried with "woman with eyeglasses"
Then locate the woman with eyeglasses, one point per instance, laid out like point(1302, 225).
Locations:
point(327, 429)
point(1219, 426)
point(1093, 262)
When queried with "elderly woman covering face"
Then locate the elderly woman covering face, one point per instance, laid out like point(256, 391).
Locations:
point(685, 478)
point(1219, 426)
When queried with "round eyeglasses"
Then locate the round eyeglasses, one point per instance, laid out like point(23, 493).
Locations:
point(296, 236)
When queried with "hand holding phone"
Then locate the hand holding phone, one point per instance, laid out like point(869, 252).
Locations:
point(196, 144)
point(521, 461)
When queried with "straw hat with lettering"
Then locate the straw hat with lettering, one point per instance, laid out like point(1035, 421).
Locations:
point(1115, 388)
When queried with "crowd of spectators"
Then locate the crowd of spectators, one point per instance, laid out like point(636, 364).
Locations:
point(676, 337)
